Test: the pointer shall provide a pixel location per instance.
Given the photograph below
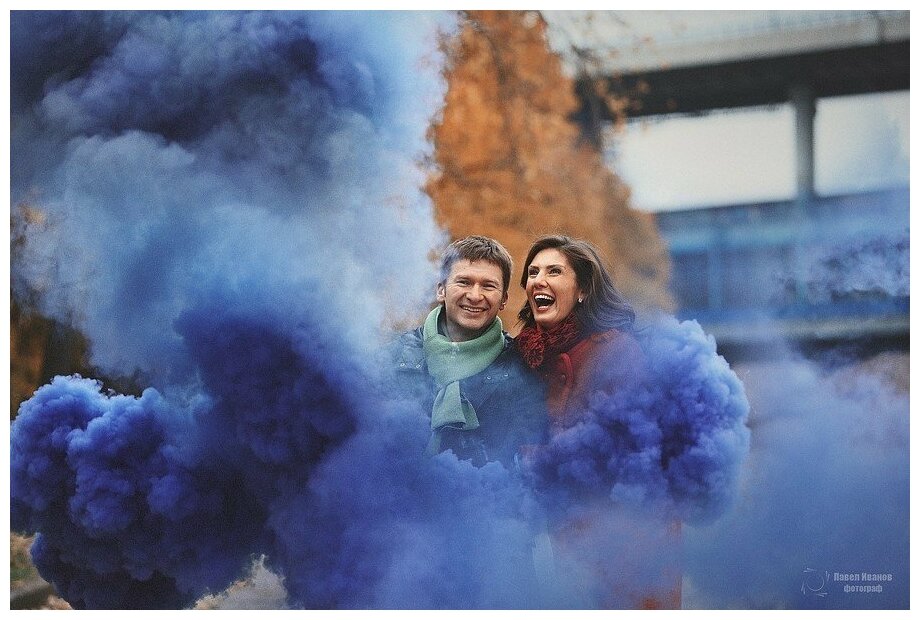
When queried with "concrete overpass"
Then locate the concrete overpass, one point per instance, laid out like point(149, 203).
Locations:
point(644, 63)
point(814, 270)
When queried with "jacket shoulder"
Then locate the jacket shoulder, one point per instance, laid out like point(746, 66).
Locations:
point(510, 355)
point(616, 340)
point(406, 350)
point(512, 362)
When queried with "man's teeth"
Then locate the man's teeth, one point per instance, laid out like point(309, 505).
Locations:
point(468, 309)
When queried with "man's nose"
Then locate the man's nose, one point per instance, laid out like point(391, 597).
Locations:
point(475, 292)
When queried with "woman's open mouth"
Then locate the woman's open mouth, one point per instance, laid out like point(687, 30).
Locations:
point(542, 300)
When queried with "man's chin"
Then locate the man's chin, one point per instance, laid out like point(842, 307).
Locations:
point(477, 326)
point(474, 327)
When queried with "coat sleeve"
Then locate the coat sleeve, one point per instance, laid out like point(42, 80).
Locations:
point(534, 415)
point(531, 425)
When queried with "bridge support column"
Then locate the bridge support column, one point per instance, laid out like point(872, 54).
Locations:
point(802, 97)
point(803, 101)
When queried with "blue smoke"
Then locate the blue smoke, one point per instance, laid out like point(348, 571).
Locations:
point(220, 152)
point(873, 265)
point(233, 208)
point(127, 516)
point(825, 490)
point(672, 444)
point(234, 217)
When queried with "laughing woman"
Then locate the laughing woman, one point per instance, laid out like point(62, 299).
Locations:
point(578, 334)
point(577, 327)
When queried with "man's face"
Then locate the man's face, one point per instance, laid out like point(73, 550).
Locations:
point(472, 296)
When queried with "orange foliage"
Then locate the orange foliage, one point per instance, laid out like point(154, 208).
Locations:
point(511, 165)
point(39, 347)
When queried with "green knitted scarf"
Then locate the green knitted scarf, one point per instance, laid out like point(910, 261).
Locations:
point(448, 362)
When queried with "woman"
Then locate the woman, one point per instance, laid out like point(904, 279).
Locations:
point(578, 334)
point(577, 327)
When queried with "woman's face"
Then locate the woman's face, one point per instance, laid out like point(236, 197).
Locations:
point(552, 287)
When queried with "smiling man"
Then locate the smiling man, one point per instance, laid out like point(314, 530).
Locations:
point(485, 403)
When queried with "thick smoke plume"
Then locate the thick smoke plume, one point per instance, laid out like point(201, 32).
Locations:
point(232, 215)
point(127, 518)
point(825, 490)
point(673, 444)
point(232, 209)
point(197, 154)
point(823, 515)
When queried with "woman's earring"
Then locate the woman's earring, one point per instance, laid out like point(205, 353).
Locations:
point(579, 300)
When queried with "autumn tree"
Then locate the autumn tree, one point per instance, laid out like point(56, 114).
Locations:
point(511, 163)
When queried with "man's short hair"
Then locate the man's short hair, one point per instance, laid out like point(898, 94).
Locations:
point(475, 248)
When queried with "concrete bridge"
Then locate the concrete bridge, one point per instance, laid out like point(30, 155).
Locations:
point(814, 270)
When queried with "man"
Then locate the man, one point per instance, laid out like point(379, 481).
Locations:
point(485, 403)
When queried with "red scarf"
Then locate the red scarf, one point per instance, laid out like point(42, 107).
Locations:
point(537, 345)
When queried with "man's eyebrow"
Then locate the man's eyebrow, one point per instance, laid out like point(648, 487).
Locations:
point(488, 279)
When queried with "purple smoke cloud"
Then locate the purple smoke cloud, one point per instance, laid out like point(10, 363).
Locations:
point(825, 490)
point(233, 215)
point(126, 517)
point(673, 444)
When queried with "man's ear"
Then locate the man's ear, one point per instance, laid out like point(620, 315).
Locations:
point(501, 306)
point(442, 293)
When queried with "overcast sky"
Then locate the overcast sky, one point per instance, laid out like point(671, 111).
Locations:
point(861, 143)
